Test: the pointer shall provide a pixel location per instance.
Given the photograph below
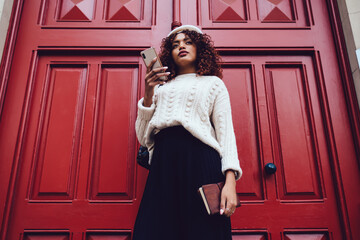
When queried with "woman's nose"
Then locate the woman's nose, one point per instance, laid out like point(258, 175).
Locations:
point(181, 45)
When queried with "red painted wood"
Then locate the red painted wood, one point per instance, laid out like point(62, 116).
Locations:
point(62, 101)
point(98, 14)
point(245, 125)
point(291, 115)
point(299, 191)
point(249, 237)
point(306, 236)
point(67, 140)
point(111, 178)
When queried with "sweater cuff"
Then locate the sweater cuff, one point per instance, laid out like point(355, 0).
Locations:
point(145, 113)
point(237, 170)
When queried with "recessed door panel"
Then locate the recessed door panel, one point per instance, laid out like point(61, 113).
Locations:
point(58, 134)
point(112, 157)
point(306, 236)
point(255, 14)
point(250, 236)
point(294, 135)
point(96, 14)
point(276, 100)
point(80, 119)
point(238, 78)
point(107, 235)
point(45, 235)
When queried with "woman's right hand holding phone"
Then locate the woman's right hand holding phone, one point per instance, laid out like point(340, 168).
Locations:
point(152, 78)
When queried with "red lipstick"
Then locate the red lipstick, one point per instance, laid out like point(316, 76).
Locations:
point(182, 53)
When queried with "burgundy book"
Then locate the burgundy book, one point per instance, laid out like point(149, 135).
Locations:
point(211, 196)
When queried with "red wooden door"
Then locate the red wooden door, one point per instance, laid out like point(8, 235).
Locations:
point(67, 139)
point(279, 59)
point(67, 133)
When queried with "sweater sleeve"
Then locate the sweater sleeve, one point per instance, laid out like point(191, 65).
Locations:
point(222, 119)
point(142, 121)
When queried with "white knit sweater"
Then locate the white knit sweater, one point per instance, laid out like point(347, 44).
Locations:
point(201, 104)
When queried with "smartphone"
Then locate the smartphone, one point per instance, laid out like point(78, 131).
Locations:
point(148, 55)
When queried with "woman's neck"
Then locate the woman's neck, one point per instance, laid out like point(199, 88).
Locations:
point(186, 70)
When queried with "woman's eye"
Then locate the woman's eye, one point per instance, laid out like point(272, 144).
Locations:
point(189, 43)
point(175, 45)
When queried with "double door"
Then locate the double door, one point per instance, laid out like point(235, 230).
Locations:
point(67, 138)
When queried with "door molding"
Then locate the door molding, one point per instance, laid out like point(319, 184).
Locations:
point(345, 71)
point(5, 67)
point(9, 47)
point(348, 89)
point(354, 117)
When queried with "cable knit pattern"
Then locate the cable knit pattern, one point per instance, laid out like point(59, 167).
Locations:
point(201, 104)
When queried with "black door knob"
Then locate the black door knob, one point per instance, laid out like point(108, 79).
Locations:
point(270, 168)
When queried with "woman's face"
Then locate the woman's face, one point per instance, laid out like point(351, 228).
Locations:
point(184, 53)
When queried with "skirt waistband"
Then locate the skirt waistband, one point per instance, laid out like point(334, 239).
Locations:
point(174, 131)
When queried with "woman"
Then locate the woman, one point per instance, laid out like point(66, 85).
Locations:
point(187, 123)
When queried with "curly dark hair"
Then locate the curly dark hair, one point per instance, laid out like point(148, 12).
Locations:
point(207, 58)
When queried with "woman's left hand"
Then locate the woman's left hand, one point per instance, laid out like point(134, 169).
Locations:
point(228, 195)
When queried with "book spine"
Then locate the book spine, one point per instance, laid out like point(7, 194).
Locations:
point(204, 200)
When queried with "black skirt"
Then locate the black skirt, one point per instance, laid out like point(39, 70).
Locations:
point(171, 207)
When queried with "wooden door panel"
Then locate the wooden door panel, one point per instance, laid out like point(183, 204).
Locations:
point(306, 236)
point(107, 235)
point(277, 100)
point(82, 111)
point(276, 10)
point(58, 131)
point(238, 78)
point(99, 14)
point(45, 235)
point(228, 11)
point(113, 154)
point(255, 14)
point(292, 130)
point(75, 10)
point(250, 236)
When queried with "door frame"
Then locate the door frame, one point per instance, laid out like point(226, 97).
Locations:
point(341, 187)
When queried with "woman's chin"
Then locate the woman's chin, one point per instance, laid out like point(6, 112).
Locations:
point(185, 63)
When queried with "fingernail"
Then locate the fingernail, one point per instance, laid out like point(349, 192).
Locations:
point(165, 67)
point(221, 211)
point(167, 73)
